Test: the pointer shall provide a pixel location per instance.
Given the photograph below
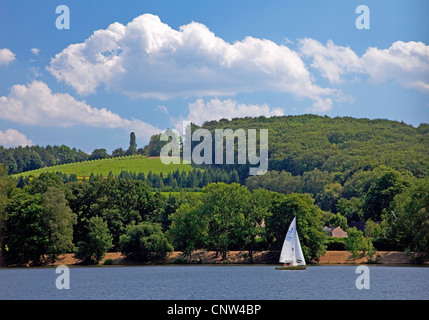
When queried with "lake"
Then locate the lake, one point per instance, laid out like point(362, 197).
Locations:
point(215, 283)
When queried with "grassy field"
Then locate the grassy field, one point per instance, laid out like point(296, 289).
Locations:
point(135, 164)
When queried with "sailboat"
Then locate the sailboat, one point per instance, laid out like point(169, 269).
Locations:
point(291, 255)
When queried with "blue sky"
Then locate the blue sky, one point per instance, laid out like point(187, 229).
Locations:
point(153, 64)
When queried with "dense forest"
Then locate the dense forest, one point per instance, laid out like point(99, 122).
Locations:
point(325, 171)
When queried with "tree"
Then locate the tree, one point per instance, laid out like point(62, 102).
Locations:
point(171, 206)
point(98, 241)
point(98, 154)
point(309, 223)
point(356, 243)
point(132, 150)
point(144, 242)
point(408, 222)
point(119, 152)
point(381, 194)
point(254, 232)
point(7, 186)
point(25, 235)
point(350, 208)
point(338, 220)
point(59, 220)
point(225, 207)
point(372, 230)
point(328, 197)
point(42, 183)
point(188, 229)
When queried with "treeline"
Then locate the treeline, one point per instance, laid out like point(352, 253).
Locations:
point(173, 181)
point(22, 159)
point(48, 218)
point(360, 196)
point(341, 145)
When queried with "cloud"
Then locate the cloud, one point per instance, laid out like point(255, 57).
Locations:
point(35, 51)
point(215, 109)
point(14, 138)
point(163, 109)
point(6, 56)
point(321, 106)
point(147, 58)
point(331, 60)
point(36, 104)
point(407, 63)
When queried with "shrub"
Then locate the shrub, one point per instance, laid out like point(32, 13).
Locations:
point(335, 244)
point(144, 242)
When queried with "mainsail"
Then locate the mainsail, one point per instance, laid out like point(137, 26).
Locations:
point(291, 250)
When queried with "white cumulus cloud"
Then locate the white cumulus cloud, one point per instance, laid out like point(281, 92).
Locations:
point(36, 104)
point(6, 56)
point(333, 61)
point(215, 109)
point(35, 51)
point(14, 138)
point(407, 63)
point(147, 58)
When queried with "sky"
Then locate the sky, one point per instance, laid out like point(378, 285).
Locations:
point(145, 66)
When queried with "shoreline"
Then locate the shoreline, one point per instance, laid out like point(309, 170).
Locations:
point(202, 257)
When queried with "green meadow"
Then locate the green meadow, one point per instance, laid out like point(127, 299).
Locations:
point(135, 164)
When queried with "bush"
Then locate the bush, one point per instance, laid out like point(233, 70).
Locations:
point(144, 242)
point(335, 244)
point(356, 243)
point(98, 241)
point(383, 244)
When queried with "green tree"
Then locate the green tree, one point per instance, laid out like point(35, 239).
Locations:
point(188, 229)
point(7, 186)
point(119, 152)
point(25, 235)
point(408, 223)
point(328, 197)
point(98, 154)
point(338, 220)
point(351, 208)
point(372, 230)
point(98, 241)
point(59, 220)
point(309, 223)
point(225, 207)
point(381, 194)
point(254, 233)
point(132, 150)
point(356, 243)
point(144, 242)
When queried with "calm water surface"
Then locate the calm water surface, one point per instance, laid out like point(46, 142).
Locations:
point(215, 283)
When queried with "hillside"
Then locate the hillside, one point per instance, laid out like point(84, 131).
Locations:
point(115, 165)
point(300, 144)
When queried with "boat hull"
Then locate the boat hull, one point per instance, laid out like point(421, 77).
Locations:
point(291, 268)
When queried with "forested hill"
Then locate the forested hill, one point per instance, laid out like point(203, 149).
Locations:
point(299, 144)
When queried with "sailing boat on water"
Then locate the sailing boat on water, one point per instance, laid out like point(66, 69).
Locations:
point(291, 255)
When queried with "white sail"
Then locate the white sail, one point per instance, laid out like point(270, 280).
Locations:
point(291, 251)
point(299, 256)
point(287, 255)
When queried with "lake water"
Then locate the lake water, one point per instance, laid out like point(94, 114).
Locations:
point(215, 283)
